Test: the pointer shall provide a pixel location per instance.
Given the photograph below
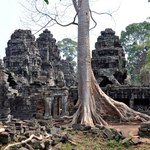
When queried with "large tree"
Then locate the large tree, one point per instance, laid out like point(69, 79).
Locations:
point(93, 103)
point(133, 40)
point(144, 75)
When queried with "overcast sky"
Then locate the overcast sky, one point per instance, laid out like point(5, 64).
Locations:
point(126, 12)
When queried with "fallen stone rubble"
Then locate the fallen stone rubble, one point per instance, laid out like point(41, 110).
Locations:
point(43, 135)
point(30, 135)
point(144, 129)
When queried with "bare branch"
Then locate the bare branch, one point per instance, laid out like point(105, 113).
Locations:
point(55, 19)
point(104, 13)
point(95, 23)
point(43, 27)
point(29, 10)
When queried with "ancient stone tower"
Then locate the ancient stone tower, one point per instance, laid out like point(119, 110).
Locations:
point(48, 48)
point(108, 59)
point(109, 66)
point(22, 55)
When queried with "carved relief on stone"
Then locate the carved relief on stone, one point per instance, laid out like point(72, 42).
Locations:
point(59, 76)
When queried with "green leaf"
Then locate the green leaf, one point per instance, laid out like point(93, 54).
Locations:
point(47, 2)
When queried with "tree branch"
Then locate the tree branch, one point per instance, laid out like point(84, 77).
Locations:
point(54, 19)
point(104, 13)
point(43, 27)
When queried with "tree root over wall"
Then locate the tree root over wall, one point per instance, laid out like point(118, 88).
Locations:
point(99, 105)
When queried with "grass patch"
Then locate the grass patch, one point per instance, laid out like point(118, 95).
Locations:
point(114, 144)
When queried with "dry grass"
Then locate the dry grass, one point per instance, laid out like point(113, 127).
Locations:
point(90, 141)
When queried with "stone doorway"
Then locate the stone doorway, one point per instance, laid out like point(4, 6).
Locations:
point(57, 107)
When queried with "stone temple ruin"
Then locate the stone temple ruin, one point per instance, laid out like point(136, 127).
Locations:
point(36, 82)
point(32, 81)
point(109, 66)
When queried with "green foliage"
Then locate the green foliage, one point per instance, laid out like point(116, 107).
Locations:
point(114, 144)
point(135, 41)
point(46, 1)
point(148, 57)
point(68, 49)
point(66, 146)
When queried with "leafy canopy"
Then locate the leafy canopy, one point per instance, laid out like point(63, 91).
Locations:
point(68, 50)
point(133, 40)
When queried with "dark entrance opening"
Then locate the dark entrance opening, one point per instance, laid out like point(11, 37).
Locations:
point(105, 82)
point(143, 102)
point(141, 105)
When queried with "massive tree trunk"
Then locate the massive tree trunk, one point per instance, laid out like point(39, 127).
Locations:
point(93, 103)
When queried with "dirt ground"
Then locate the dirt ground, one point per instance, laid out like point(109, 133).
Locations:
point(126, 129)
point(130, 130)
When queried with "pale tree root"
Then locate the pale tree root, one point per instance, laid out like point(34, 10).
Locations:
point(90, 118)
point(102, 105)
point(25, 141)
point(130, 114)
point(115, 108)
point(63, 139)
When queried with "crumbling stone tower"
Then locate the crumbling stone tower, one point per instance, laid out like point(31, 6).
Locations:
point(109, 66)
point(108, 60)
point(22, 55)
point(47, 47)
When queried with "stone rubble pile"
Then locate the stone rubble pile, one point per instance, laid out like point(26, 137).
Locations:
point(144, 129)
point(31, 134)
point(43, 135)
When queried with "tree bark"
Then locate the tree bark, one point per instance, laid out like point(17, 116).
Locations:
point(93, 103)
point(84, 62)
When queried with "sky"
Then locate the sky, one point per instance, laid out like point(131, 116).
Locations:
point(125, 13)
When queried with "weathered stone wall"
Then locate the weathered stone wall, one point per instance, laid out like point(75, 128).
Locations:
point(32, 78)
point(33, 81)
point(69, 73)
point(135, 97)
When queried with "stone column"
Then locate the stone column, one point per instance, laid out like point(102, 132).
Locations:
point(131, 101)
point(48, 107)
point(64, 103)
point(55, 108)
